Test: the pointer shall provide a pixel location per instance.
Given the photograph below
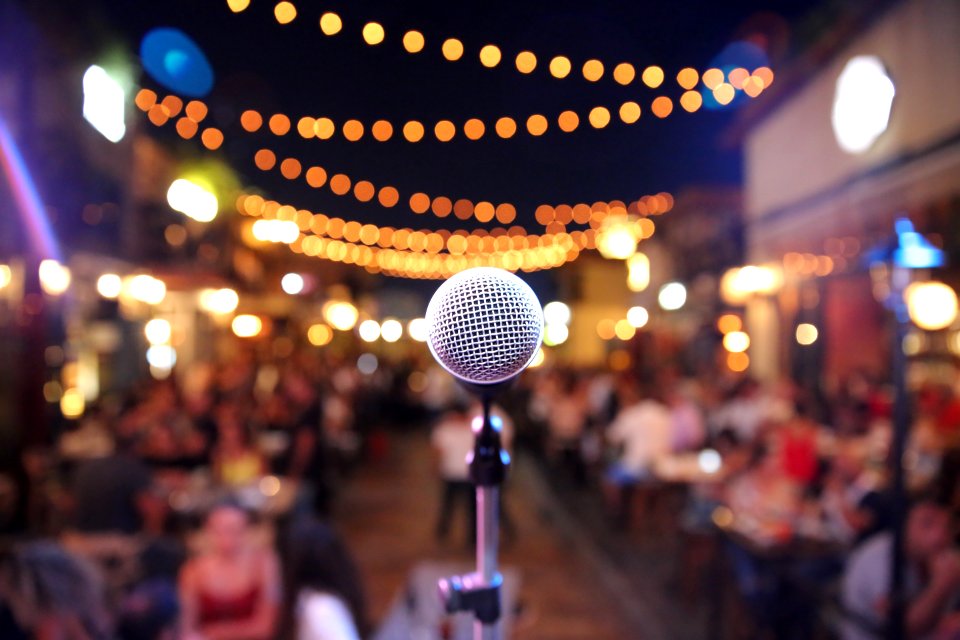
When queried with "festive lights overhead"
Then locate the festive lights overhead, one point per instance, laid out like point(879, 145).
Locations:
point(526, 62)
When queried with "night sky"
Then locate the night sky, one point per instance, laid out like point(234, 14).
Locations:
point(297, 70)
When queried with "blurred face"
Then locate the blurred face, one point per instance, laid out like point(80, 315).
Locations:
point(226, 529)
point(928, 531)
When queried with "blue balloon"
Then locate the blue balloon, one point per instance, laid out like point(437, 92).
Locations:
point(175, 61)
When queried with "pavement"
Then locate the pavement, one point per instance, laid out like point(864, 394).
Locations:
point(579, 579)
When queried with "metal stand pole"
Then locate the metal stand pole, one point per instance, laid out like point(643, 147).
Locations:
point(479, 592)
point(901, 425)
point(488, 534)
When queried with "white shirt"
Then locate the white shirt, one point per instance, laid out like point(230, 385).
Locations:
point(866, 583)
point(322, 616)
point(644, 431)
point(454, 440)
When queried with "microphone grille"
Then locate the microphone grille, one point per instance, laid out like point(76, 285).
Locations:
point(485, 325)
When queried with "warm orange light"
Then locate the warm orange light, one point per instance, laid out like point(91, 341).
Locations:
point(316, 177)
point(592, 70)
point(444, 130)
point(285, 12)
point(452, 49)
point(737, 77)
point(173, 105)
point(382, 130)
point(738, 362)
point(373, 33)
point(568, 121)
point(753, 86)
point(474, 129)
point(441, 206)
point(688, 78)
point(413, 131)
point(340, 184)
point(691, 101)
point(624, 73)
point(724, 93)
point(419, 202)
point(536, 124)
point(606, 329)
point(490, 55)
point(765, 74)
point(158, 115)
point(463, 209)
point(290, 168)
point(560, 67)
point(388, 197)
point(305, 127)
point(413, 41)
point(712, 78)
point(629, 112)
point(250, 120)
point(145, 99)
point(196, 110)
point(653, 76)
point(324, 128)
point(506, 127)
point(364, 191)
point(506, 213)
point(238, 5)
point(265, 159)
point(599, 117)
point(484, 211)
point(330, 23)
point(352, 130)
point(662, 106)
point(728, 323)
point(186, 128)
point(279, 124)
point(526, 62)
point(212, 138)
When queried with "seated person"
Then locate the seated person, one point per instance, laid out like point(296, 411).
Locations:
point(51, 594)
point(325, 595)
point(932, 578)
point(235, 461)
point(231, 592)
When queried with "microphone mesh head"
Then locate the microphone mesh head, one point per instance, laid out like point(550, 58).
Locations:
point(485, 325)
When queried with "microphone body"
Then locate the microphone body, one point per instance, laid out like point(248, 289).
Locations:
point(485, 327)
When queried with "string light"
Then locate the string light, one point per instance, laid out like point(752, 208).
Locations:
point(490, 56)
point(443, 206)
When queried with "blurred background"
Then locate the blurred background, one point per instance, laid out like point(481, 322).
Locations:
point(220, 225)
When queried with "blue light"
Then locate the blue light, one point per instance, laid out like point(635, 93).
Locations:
point(176, 62)
point(913, 251)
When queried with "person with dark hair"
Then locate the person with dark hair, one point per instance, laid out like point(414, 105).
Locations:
point(324, 594)
point(232, 591)
point(53, 594)
point(932, 570)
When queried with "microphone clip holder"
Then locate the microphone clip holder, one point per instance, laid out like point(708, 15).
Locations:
point(479, 592)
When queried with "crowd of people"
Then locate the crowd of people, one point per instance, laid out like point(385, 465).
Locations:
point(204, 505)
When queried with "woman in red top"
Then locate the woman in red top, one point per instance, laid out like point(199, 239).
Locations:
point(231, 592)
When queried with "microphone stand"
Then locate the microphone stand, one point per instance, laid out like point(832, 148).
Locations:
point(479, 592)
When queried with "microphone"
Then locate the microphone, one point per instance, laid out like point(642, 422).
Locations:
point(485, 327)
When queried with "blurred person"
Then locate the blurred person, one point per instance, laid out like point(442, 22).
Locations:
point(306, 459)
point(113, 494)
point(232, 591)
point(641, 432)
point(325, 598)
point(688, 430)
point(764, 498)
point(150, 610)
point(235, 461)
point(52, 594)
point(453, 440)
point(932, 578)
point(567, 413)
point(854, 507)
point(798, 448)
